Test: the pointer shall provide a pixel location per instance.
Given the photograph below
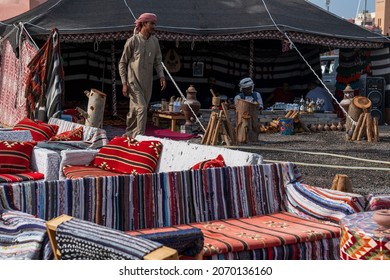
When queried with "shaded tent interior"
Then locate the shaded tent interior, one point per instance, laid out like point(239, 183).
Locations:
point(231, 38)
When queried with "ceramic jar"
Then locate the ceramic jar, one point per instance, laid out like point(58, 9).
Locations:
point(348, 96)
point(193, 102)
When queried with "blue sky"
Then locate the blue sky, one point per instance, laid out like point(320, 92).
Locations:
point(345, 8)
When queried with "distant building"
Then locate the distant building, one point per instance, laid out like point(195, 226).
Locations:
point(12, 8)
point(382, 9)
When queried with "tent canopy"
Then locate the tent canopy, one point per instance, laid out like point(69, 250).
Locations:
point(196, 20)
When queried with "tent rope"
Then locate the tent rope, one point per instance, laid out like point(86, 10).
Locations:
point(182, 96)
point(128, 7)
point(307, 63)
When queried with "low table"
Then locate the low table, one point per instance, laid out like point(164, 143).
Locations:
point(173, 116)
point(363, 239)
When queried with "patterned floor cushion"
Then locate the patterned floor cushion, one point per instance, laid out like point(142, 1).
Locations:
point(28, 176)
point(235, 235)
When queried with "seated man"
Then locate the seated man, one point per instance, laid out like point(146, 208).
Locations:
point(283, 94)
point(246, 86)
point(318, 92)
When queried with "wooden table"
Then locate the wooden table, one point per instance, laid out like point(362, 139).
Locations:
point(363, 239)
point(173, 116)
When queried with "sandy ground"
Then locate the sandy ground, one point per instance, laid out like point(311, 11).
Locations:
point(368, 169)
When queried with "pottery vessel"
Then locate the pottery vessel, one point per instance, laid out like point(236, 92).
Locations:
point(193, 102)
point(382, 217)
point(326, 127)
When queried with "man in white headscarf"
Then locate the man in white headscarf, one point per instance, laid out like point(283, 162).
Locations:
point(140, 55)
point(248, 93)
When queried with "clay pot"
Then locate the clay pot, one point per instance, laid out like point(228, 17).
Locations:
point(319, 127)
point(339, 126)
point(333, 127)
point(313, 128)
point(326, 127)
point(193, 102)
point(382, 217)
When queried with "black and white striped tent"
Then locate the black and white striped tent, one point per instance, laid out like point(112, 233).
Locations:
point(228, 39)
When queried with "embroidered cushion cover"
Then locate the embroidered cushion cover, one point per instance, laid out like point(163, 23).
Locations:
point(15, 156)
point(71, 135)
point(210, 163)
point(127, 155)
point(40, 131)
point(321, 203)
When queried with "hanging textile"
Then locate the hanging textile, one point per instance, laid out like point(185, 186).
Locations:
point(46, 80)
point(13, 77)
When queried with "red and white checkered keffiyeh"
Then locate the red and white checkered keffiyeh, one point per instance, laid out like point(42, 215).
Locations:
point(145, 17)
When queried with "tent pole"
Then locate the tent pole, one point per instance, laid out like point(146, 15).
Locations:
point(113, 79)
point(251, 57)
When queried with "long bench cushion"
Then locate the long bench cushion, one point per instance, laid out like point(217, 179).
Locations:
point(245, 234)
point(21, 177)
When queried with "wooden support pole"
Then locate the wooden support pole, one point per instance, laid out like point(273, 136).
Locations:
point(230, 128)
point(361, 129)
point(212, 122)
point(369, 128)
point(207, 132)
point(217, 132)
point(357, 127)
point(376, 131)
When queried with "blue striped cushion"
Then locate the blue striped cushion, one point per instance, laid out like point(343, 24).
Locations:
point(323, 204)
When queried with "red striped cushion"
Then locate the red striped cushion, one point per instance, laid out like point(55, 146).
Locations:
point(15, 156)
point(40, 131)
point(127, 155)
point(210, 163)
point(81, 171)
point(20, 177)
point(72, 135)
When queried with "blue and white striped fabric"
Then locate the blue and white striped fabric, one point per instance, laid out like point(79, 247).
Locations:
point(322, 204)
point(23, 237)
point(81, 240)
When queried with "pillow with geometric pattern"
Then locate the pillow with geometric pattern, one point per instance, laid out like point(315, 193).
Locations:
point(15, 156)
point(210, 163)
point(40, 131)
point(129, 156)
point(72, 135)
